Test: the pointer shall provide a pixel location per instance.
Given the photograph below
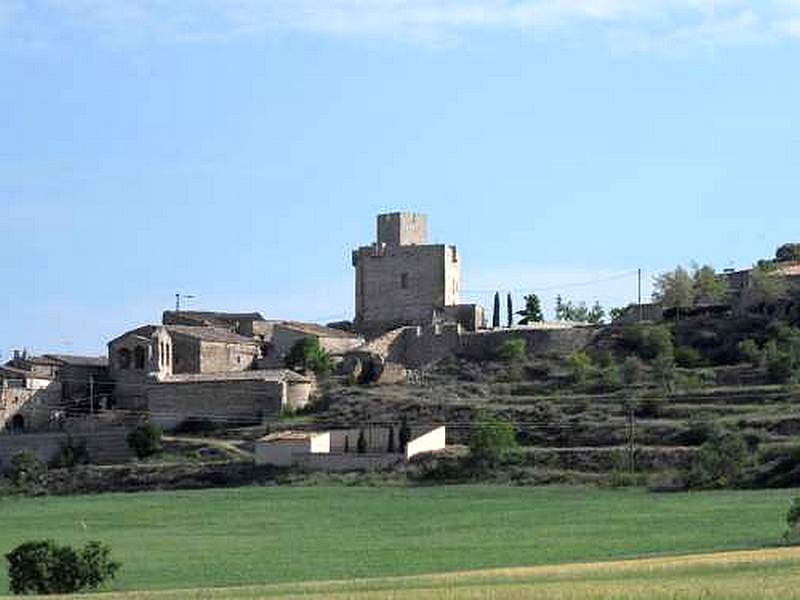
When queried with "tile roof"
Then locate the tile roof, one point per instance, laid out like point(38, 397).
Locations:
point(206, 315)
point(315, 329)
point(79, 361)
point(210, 334)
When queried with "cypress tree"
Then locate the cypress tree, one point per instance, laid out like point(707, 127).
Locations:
point(404, 434)
point(361, 444)
point(510, 310)
point(390, 445)
point(496, 311)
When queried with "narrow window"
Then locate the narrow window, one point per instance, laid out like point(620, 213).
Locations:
point(404, 280)
point(139, 358)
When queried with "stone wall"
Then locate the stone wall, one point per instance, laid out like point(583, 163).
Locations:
point(105, 446)
point(398, 285)
point(221, 357)
point(249, 401)
point(416, 347)
point(32, 407)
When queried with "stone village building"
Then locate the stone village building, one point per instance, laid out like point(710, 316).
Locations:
point(401, 279)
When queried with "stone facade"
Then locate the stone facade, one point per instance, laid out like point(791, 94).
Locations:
point(235, 398)
point(401, 279)
point(280, 336)
point(152, 352)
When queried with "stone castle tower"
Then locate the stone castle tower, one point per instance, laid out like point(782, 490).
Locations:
point(401, 279)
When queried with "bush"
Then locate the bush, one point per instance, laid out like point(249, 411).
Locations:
point(44, 567)
point(307, 354)
point(24, 469)
point(647, 341)
point(749, 352)
point(632, 368)
point(610, 378)
point(580, 367)
point(793, 521)
point(512, 350)
point(688, 357)
point(70, 454)
point(664, 370)
point(492, 439)
point(145, 440)
point(720, 462)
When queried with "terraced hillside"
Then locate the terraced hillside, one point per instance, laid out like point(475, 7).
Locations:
point(607, 411)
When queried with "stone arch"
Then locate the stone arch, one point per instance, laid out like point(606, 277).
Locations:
point(124, 358)
point(17, 423)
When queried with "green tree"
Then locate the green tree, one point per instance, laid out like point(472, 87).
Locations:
point(404, 434)
point(496, 311)
point(750, 352)
point(765, 289)
point(580, 367)
point(596, 315)
point(70, 454)
point(307, 354)
point(512, 350)
point(145, 440)
point(632, 370)
point(361, 444)
point(532, 313)
point(44, 567)
point(793, 521)
point(491, 440)
point(617, 312)
point(509, 309)
point(664, 370)
point(788, 253)
point(720, 462)
point(674, 289)
point(24, 469)
point(707, 286)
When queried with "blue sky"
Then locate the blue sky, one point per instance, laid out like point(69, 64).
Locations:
point(238, 150)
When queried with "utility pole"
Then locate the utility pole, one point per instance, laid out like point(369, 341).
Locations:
point(631, 437)
point(639, 285)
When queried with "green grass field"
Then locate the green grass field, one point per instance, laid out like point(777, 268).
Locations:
point(257, 535)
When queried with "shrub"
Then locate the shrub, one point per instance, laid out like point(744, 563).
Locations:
point(70, 454)
point(44, 567)
point(664, 370)
point(24, 469)
point(512, 350)
point(492, 439)
point(361, 444)
point(749, 352)
point(610, 378)
point(793, 521)
point(307, 353)
point(688, 357)
point(647, 341)
point(632, 368)
point(719, 463)
point(580, 367)
point(145, 440)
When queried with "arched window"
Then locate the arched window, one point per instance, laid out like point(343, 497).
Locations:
point(139, 358)
point(124, 358)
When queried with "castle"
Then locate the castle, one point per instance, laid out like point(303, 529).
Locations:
point(401, 279)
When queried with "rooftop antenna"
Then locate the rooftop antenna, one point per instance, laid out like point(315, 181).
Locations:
point(178, 297)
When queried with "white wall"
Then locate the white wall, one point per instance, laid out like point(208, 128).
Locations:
point(427, 442)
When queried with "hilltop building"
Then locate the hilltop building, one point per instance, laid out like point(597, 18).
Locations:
point(401, 279)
